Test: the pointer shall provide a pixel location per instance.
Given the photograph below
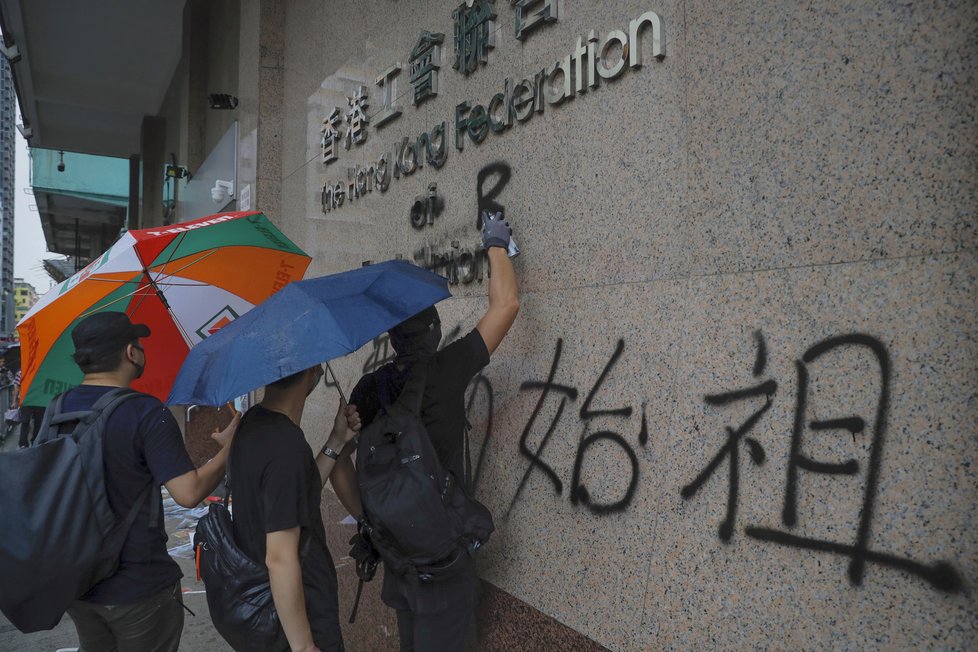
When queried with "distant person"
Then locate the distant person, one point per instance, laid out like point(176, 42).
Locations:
point(30, 415)
point(140, 607)
point(276, 489)
point(439, 616)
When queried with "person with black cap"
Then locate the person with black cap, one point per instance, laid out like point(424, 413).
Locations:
point(140, 606)
point(440, 615)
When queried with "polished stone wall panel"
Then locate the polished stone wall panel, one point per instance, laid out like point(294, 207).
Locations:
point(785, 175)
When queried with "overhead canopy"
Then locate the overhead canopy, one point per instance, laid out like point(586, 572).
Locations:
point(82, 206)
point(89, 71)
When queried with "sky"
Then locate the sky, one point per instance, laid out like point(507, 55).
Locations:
point(29, 245)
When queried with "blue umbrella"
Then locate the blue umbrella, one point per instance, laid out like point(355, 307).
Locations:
point(303, 324)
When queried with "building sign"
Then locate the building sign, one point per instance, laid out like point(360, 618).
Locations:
point(388, 83)
point(531, 14)
point(475, 34)
point(591, 61)
point(356, 118)
point(330, 136)
point(425, 62)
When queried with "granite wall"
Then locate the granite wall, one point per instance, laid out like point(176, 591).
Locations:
point(738, 407)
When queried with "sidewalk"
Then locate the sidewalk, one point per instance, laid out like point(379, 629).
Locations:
point(198, 633)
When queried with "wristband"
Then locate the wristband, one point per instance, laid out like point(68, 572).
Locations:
point(330, 453)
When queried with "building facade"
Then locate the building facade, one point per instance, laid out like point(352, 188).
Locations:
point(8, 118)
point(737, 410)
point(25, 296)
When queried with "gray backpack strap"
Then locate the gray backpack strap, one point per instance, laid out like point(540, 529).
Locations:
point(54, 419)
point(411, 397)
point(46, 432)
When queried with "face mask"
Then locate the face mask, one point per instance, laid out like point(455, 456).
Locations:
point(139, 367)
point(315, 383)
point(417, 344)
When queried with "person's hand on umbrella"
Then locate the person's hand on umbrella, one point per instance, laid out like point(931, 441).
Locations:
point(223, 437)
point(346, 424)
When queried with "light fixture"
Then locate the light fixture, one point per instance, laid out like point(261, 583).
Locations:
point(222, 101)
point(222, 190)
point(176, 171)
point(61, 161)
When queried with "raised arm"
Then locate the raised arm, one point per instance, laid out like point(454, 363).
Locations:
point(504, 292)
point(192, 487)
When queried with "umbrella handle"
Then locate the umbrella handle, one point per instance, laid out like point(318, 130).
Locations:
point(339, 387)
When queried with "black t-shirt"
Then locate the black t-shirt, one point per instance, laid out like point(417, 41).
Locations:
point(141, 445)
point(275, 485)
point(443, 406)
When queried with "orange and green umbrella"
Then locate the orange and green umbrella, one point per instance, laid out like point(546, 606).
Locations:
point(184, 281)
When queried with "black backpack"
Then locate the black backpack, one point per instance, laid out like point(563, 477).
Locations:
point(61, 537)
point(239, 596)
point(417, 515)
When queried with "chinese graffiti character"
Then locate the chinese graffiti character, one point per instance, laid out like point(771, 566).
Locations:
point(941, 575)
point(528, 20)
point(579, 494)
point(475, 34)
point(731, 449)
point(388, 82)
point(356, 118)
point(330, 135)
point(425, 63)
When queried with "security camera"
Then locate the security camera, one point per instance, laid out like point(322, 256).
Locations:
point(61, 166)
point(222, 190)
point(61, 161)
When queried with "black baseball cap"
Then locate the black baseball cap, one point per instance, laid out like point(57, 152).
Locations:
point(105, 333)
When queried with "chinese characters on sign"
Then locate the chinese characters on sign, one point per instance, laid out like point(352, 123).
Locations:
point(387, 82)
point(425, 62)
point(330, 135)
point(356, 118)
point(527, 20)
point(475, 35)
point(592, 62)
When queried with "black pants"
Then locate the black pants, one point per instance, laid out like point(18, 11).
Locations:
point(28, 415)
point(151, 625)
point(435, 617)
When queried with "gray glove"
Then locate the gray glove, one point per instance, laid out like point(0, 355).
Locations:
point(495, 231)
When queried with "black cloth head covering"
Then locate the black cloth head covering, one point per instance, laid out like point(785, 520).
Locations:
point(415, 339)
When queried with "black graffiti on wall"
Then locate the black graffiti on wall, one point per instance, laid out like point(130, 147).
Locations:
point(731, 449)
point(579, 493)
point(480, 386)
point(500, 173)
point(381, 352)
point(941, 575)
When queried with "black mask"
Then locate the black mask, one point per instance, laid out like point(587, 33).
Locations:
point(416, 338)
point(139, 367)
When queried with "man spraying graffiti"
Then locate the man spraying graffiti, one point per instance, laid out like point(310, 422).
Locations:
point(438, 614)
